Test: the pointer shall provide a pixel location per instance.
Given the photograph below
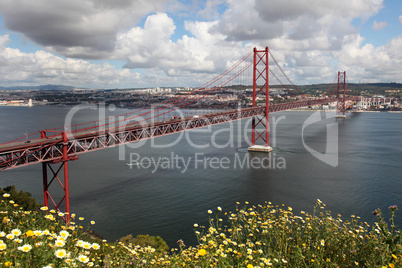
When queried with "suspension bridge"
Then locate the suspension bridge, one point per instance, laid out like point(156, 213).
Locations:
point(54, 148)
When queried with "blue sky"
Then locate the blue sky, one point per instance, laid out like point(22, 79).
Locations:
point(132, 43)
point(389, 14)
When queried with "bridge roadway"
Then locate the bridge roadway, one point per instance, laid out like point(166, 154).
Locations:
point(50, 149)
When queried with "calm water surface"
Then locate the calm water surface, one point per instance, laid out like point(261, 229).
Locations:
point(168, 199)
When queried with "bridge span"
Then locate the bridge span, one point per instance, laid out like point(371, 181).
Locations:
point(59, 146)
point(50, 149)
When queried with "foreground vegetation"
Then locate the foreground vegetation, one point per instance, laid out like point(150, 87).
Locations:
point(252, 236)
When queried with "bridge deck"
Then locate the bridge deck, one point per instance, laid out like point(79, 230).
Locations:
point(21, 153)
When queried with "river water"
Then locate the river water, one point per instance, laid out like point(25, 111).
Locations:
point(353, 165)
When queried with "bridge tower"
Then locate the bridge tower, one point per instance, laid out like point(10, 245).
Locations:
point(62, 168)
point(341, 95)
point(260, 86)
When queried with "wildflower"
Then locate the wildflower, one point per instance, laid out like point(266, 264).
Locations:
point(95, 246)
point(250, 266)
point(79, 243)
point(82, 258)
point(377, 212)
point(3, 246)
point(61, 214)
point(8, 263)
point(5, 219)
point(49, 217)
point(209, 211)
point(86, 245)
point(30, 233)
point(44, 208)
point(393, 208)
point(92, 222)
point(6, 195)
point(16, 232)
point(2, 234)
point(202, 252)
point(81, 218)
point(64, 234)
point(180, 242)
point(195, 225)
point(60, 253)
point(219, 208)
point(10, 236)
point(25, 248)
point(38, 233)
point(59, 243)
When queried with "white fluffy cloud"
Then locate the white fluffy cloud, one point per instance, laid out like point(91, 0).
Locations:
point(369, 63)
point(42, 67)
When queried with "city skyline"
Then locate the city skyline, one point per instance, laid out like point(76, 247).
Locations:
point(126, 44)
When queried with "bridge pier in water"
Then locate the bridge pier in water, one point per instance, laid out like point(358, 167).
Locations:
point(341, 95)
point(260, 86)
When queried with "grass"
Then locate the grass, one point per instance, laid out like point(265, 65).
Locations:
point(252, 236)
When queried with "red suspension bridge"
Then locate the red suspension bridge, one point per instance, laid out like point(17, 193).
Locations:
point(247, 80)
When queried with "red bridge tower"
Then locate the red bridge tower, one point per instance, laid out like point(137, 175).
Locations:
point(260, 86)
point(341, 95)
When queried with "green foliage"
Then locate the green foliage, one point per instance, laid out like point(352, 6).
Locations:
point(252, 236)
point(365, 89)
point(155, 242)
point(23, 199)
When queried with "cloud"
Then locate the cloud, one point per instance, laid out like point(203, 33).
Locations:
point(151, 47)
point(311, 40)
point(75, 28)
point(369, 63)
point(400, 19)
point(379, 25)
point(293, 19)
point(41, 67)
point(4, 40)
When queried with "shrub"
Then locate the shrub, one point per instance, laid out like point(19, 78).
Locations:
point(155, 242)
point(252, 236)
point(23, 199)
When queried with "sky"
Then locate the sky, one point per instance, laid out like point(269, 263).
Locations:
point(142, 43)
